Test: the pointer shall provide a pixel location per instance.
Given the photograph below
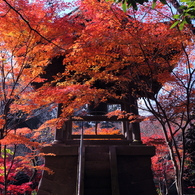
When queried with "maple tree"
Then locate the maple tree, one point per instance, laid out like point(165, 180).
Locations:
point(161, 164)
point(172, 108)
point(19, 178)
point(102, 53)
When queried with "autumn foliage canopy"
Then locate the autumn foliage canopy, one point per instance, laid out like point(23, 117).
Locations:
point(104, 53)
point(99, 42)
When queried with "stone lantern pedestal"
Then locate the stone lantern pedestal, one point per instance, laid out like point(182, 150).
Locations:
point(114, 168)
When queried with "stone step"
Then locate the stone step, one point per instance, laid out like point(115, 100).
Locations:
point(94, 149)
point(102, 191)
point(92, 183)
point(97, 166)
point(97, 169)
point(99, 156)
point(97, 175)
point(97, 153)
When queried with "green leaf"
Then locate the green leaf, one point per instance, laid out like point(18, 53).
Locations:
point(191, 4)
point(181, 25)
point(9, 151)
point(124, 6)
point(191, 12)
point(154, 4)
point(174, 24)
point(188, 21)
point(34, 193)
point(185, 1)
point(6, 151)
point(176, 16)
point(183, 7)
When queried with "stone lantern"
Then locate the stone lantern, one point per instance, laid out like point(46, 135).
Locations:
point(94, 164)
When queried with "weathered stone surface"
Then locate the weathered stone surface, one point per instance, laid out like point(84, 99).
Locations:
point(63, 181)
point(61, 150)
point(133, 165)
point(42, 192)
point(140, 150)
point(135, 175)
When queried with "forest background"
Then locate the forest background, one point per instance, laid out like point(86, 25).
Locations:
point(99, 42)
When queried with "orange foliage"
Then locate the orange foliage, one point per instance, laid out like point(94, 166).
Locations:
point(117, 48)
point(101, 131)
point(100, 43)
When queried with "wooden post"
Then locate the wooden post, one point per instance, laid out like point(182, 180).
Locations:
point(134, 127)
point(64, 133)
point(126, 129)
point(58, 138)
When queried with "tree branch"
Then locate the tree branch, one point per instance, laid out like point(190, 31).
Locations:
point(30, 27)
point(176, 5)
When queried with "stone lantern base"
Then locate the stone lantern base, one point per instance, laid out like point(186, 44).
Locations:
point(108, 169)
